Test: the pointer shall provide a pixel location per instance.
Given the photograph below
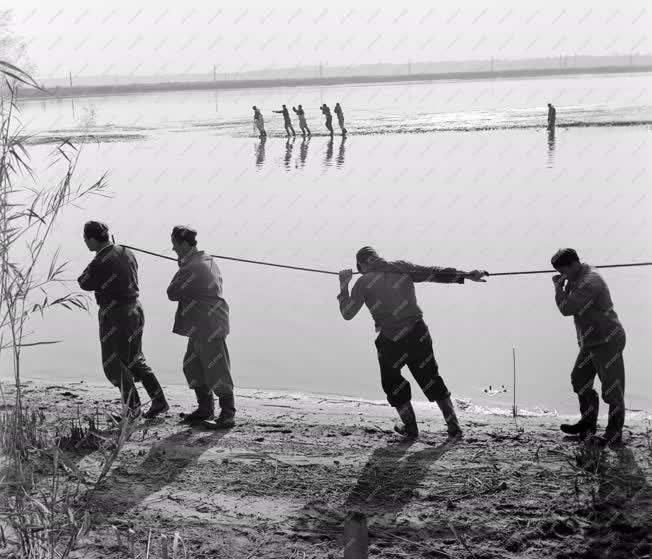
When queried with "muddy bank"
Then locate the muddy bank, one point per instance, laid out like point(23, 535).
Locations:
point(281, 483)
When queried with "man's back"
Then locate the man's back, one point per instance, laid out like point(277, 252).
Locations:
point(588, 300)
point(112, 275)
point(197, 286)
point(387, 289)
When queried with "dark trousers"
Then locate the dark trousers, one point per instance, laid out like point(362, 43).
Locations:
point(414, 350)
point(207, 368)
point(605, 361)
point(121, 334)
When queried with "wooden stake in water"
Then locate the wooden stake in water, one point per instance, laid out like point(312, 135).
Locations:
point(514, 410)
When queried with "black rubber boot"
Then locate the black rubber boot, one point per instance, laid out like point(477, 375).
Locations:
point(155, 392)
point(409, 428)
point(205, 409)
point(614, 431)
point(589, 405)
point(226, 419)
point(582, 429)
point(452, 424)
point(130, 401)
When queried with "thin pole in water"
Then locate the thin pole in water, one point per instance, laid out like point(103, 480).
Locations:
point(514, 410)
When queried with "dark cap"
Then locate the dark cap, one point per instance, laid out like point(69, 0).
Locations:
point(183, 233)
point(564, 257)
point(96, 230)
point(366, 255)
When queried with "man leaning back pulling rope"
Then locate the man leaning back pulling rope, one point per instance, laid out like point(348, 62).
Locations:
point(387, 288)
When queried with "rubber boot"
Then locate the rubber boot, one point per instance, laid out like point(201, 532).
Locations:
point(452, 424)
point(613, 435)
point(226, 419)
point(130, 400)
point(408, 417)
point(582, 428)
point(155, 392)
point(205, 408)
point(589, 403)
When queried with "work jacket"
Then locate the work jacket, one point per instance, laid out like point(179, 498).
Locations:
point(202, 313)
point(587, 299)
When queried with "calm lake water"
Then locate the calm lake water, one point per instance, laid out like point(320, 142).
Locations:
point(448, 173)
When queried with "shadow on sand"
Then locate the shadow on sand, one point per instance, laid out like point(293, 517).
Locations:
point(166, 461)
point(621, 515)
point(384, 487)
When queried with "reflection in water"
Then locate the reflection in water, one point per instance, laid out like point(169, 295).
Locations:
point(340, 155)
point(303, 151)
point(551, 148)
point(289, 144)
point(260, 152)
point(329, 153)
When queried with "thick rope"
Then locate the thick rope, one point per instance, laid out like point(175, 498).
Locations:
point(317, 270)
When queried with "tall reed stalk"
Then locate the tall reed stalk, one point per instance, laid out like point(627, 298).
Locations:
point(41, 516)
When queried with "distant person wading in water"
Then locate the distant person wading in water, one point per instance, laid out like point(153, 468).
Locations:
point(552, 115)
point(329, 118)
point(387, 289)
point(286, 119)
point(259, 122)
point(302, 120)
point(340, 117)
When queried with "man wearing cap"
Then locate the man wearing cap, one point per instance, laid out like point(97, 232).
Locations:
point(203, 316)
point(581, 292)
point(113, 276)
point(387, 289)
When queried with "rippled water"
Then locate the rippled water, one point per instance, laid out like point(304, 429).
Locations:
point(455, 173)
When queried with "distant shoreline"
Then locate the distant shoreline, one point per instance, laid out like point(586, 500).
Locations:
point(135, 88)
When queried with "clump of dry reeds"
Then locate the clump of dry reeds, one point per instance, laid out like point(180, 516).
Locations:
point(44, 497)
point(38, 517)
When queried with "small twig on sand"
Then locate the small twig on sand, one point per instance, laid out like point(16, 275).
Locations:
point(536, 453)
point(149, 542)
point(461, 541)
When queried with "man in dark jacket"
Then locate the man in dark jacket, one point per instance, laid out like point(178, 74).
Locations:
point(286, 120)
point(340, 117)
point(387, 289)
point(552, 116)
point(325, 109)
point(203, 316)
point(113, 276)
point(581, 292)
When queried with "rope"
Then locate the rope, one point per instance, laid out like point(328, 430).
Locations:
point(317, 270)
point(242, 260)
point(555, 271)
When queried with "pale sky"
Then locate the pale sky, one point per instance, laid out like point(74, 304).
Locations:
point(157, 37)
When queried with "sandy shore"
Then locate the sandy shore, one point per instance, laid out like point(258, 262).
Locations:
point(280, 484)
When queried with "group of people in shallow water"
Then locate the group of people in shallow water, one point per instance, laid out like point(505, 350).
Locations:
point(259, 121)
point(386, 288)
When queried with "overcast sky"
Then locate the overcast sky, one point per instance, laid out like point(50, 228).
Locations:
point(158, 37)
